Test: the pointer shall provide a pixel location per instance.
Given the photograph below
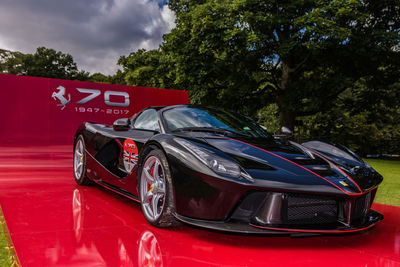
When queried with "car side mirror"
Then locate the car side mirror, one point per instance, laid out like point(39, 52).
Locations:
point(285, 133)
point(122, 124)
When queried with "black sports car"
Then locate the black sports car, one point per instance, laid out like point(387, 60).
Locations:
point(220, 170)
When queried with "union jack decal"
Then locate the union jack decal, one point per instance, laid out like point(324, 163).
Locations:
point(130, 157)
point(130, 160)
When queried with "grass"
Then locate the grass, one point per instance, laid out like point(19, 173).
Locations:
point(388, 193)
point(6, 257)
point(389, 190)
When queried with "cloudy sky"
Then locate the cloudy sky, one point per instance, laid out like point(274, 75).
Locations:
point(94, 32)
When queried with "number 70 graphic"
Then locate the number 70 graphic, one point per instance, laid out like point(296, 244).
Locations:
point(93, 93)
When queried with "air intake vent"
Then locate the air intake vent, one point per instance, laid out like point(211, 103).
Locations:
point(302, 209)
point(361, 207)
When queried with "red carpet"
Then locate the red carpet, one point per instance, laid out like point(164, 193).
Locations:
point(54, 222)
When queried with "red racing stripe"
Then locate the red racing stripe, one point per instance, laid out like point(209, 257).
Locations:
point(338, 169)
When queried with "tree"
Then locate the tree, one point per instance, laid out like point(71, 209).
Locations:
point(117, 78)
point(299, 54)
point(144, 68)
point(10, 62)
point(99, 78)
point(49, 63)
point(44, 62)
point(212, 58)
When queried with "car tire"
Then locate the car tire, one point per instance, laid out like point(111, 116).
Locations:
point(79, 168)
point(155, 190)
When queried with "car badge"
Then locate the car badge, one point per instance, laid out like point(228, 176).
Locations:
point(60, 96)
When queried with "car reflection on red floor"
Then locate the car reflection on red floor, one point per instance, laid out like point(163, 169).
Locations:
point(54, 222)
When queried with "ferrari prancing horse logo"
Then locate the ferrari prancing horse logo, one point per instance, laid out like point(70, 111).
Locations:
point(130, 155)
point(60, 95)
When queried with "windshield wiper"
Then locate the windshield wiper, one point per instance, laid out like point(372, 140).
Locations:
point(209, 129)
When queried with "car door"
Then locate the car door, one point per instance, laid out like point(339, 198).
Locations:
point(130, 144)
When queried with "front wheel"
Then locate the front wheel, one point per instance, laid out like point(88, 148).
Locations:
point(155, 188)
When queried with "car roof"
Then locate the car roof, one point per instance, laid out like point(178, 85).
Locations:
point(164, 108)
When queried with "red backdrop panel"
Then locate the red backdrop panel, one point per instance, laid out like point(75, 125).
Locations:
point(48, 111)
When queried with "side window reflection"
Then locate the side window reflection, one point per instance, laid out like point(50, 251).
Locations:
point(148, 120)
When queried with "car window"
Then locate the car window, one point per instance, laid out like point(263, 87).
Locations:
point(147, 120)
point(203, 117)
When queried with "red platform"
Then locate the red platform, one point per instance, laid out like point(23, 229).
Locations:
point(54, 222)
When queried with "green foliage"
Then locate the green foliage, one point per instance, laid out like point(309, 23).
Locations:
point(44, 62)
point(329, 64)
point(364, 117)
point(146, 68)
point(49, 63)
point(211, 57)
point(10, 62)
point(340, 127)
point(246, 54)
point(99, 78)
point(268, 117)
point(117, 78)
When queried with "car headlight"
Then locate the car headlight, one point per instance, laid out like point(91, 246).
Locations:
point(214, 162)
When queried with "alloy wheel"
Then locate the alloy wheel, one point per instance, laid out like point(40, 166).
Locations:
point(152, 188)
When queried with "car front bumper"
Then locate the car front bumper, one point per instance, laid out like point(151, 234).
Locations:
point(234, 226)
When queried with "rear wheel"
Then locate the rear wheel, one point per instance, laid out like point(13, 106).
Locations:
point(155, 188)
point(80, 162)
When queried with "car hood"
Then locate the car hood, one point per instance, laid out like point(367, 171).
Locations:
point(279, 163)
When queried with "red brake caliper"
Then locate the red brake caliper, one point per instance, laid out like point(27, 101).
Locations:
point(152, 174)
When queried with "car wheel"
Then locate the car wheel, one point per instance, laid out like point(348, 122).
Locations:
point(80, 162)
point(155, 189)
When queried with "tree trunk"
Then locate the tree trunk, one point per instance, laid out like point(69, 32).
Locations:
point(287, 116)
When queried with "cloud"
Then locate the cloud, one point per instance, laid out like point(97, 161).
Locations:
point(94, 32)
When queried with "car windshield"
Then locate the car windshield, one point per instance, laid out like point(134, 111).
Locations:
point(212, 120)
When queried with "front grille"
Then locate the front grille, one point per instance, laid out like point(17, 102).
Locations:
point(302, 210)
point(306, 209)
